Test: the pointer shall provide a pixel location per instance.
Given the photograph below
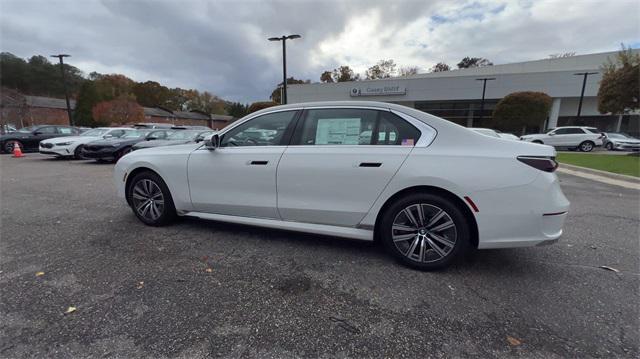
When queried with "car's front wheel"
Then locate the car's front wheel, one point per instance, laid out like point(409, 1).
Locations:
point(150, 199)
point(609, 146)
point(77, 153)
point(586, 146)
point(9, 146)
point(425, 231)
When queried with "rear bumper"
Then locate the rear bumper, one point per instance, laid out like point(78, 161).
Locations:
point(522, 216)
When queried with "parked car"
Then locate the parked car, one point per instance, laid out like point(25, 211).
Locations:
point(425, 187)
point(508, 136)
point(584, 139)
point(29, 137)
point(485, 131)
point(189, 127)
point(114, 148)
point(72, 146)
point(152, 125)
point(7, 128)
point(176, 138)
point(620, 141)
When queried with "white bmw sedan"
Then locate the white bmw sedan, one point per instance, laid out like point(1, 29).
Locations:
point(428, 189)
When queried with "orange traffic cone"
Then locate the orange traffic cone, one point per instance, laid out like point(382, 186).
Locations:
point(17, 152)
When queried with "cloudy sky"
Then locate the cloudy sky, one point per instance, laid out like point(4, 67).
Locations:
point(221, 46)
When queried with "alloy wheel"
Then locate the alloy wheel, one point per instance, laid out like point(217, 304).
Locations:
point(424, 233)
point(586, 147)
point(148, 200)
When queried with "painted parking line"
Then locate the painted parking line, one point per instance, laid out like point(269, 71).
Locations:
point(601, 179)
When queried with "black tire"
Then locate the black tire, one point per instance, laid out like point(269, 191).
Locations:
point(77, 153)
point(167, 212)
point(538, 142)
point(428, 257)
point(8, 146)
point(586, 146)
point(609, 146)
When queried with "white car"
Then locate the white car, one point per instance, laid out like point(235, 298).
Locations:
point(425, 187)
point(485, 131)
point(583, 138)
point(71, 146)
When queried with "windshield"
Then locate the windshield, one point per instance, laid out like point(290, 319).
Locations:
point(27, 129)
point(183, 135)
point(618, 135)
point(96, 132)
point(134, 133)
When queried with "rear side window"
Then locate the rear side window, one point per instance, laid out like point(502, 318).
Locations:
point(355, 127)
point(65, 130)
point(568, 131)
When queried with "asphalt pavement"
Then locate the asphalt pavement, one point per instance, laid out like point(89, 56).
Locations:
point(198, 288)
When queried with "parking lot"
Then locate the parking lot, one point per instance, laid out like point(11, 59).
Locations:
point(202, 288)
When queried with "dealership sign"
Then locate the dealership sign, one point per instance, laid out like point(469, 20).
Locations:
point(378, 91)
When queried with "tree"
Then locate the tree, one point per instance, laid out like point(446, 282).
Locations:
point(440, 67)
point(327, 77)
point(114, 86)
point(409, 70)
point(276, 95)
point(519, 110)
point(382, 70)
point(236, 109)
point(340, 74)
point(205, 102)
point(470, 62)
point(119, 111)
point(256, 106)
point(87, 99)
point(151, 94)
point(620, 84)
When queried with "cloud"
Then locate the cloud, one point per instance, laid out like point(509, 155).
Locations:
point(221, 46)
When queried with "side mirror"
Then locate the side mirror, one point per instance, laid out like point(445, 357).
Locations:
point(36, 133)
point(552, 134)
point(199, 139)
point(213, 142)
point(107, 136)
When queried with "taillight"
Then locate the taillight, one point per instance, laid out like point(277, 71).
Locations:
point(547, 164)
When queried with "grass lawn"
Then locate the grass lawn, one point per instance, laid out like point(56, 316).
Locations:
point(626, 165)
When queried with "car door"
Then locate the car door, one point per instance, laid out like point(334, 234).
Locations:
point(338, 163)
point(239, 177)
point(41, 133)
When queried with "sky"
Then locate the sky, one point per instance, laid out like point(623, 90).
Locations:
point(222, 47)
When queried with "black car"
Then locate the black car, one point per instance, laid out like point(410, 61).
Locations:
point(29, 137)
point(176, 138)
point(114, 148)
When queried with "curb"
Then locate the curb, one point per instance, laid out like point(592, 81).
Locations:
point(616, 176)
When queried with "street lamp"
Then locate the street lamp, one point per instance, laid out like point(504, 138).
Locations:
point(484, 89)
point(284, 39)
point(584, 84)
point(64, 85)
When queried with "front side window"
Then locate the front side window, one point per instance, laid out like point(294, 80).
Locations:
point(65, 130)
point(265, 130)
point(49, 130)
point(356, 127)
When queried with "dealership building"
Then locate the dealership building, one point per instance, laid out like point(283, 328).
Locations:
point(456, 95)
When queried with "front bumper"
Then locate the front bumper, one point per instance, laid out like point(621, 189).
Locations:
point(56, 150)
point(102, 153)
point(626, 146)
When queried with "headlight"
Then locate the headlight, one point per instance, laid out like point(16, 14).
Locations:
point(64, 143)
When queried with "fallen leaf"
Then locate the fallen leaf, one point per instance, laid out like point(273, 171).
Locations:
point(208, 270)
point(39, 274)
point(70, 310)
point(610, 268)
point(513, 341)
point(140, 285)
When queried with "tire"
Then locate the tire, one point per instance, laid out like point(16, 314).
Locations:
point(8, 146)
point(586, 146)
point(425, 246)
point(609, 146)
point(144, 194)
point(77, 153)
point(538, 142)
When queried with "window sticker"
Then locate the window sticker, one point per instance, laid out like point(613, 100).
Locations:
point(338, 131)
point(407, 141)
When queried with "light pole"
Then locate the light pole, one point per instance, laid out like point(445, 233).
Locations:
point(284, 39)
point(584, 84)
point(64, 85)
point(484, 89)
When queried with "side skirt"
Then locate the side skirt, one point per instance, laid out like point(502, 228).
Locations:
point(324, 229)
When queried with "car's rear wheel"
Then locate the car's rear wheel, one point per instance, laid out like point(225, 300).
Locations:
point(77, 153)
point(425, 231)
point(586, 146)
point(9, 145)
point(150, 199)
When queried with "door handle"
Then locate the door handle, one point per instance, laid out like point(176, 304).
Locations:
point(258, 163)
point(370, 164)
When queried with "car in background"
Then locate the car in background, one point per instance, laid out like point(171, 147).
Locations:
point(176, 138)
point(71, 146)
point(189, 127)
point(152, 125)
point(425, 187)
point(29, 137)
point(584, 139)
point(620, 141)
point(111, 149)
point(508, 136)
point(7, 128)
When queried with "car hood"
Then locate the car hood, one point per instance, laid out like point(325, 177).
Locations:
point(157, 143)
point(15, 135)
point(535, 135)
point(625, 140)
point(81, 139)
